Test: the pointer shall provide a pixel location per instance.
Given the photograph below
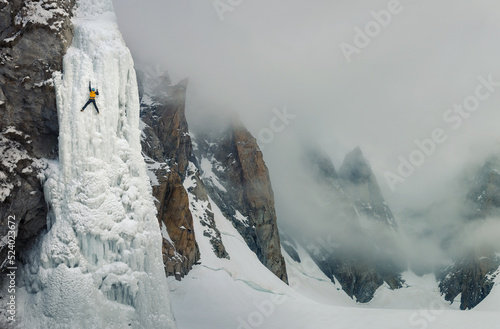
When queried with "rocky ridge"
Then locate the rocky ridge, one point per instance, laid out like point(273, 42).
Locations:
point(471, 276)
point(166, 146)
point(184, 181)
point(237, 179)
point(353, 240)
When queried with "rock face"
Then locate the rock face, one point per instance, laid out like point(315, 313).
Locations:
point(472, 275)
point(359, 182)
point(173, 211)
point(167, 148)
point(240, 187)
point(167, 121)
point(34, 36)
point(237, 179)
point(205, 214)
point(353, 239)
point(485, 193)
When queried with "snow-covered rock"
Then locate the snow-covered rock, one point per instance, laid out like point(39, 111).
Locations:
point(30, 52)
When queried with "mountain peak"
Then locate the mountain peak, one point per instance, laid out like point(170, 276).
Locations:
point(355, 168)
point(321, 163)
point(357, 151)
point(485, 191)
point(183, 83)
point(359, 182)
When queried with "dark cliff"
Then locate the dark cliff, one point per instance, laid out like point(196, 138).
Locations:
point(167, 148)
point(471, 274)
point(31, 50)
point(237, 179)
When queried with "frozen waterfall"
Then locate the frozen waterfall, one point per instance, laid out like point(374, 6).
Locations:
point(100, 263)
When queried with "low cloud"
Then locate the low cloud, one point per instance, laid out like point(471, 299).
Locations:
point(264, 56)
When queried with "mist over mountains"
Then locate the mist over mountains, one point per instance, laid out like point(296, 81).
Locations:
point(243, 170)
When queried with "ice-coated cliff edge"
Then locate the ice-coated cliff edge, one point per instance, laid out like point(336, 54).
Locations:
point(100, 263)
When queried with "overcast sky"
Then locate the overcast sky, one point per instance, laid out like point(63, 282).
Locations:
point(267, 55)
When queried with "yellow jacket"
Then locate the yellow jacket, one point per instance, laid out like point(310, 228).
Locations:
point(92, 95)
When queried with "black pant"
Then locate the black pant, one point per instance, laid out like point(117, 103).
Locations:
point(93, 102)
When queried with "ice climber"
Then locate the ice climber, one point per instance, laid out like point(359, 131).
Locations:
point(93, 94)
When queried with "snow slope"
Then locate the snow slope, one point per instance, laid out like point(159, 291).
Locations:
point(100, 263)
point(240, 293)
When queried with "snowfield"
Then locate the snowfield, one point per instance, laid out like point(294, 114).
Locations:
point(241, 293)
